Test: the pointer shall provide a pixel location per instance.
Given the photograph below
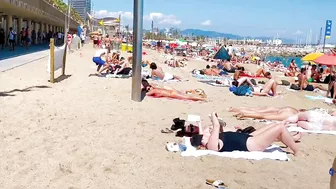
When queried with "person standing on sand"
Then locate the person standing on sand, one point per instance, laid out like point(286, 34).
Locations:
point(158, 72)
point(107, 42)
point(11, 39)
point(27, 37)
point(2, 38)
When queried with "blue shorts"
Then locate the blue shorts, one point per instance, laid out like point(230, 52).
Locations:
point(98, 61)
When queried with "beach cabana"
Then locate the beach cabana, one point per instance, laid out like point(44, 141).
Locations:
point(222, 54)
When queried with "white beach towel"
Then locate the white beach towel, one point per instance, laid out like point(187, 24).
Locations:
point(301, 130)
point(289, 89)
point(273, 152)
point(328, 100)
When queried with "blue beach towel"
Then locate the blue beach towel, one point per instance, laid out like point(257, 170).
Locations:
point(242, 91)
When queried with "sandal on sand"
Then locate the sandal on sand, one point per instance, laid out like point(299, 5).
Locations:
point(166, 131)
point(215, 183)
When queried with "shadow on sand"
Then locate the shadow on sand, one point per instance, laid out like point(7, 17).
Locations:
point(61, 78)
point(143, 95)
point(10, 93)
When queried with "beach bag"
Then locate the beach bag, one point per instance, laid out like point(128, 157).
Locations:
point(294, 87)
point(284, 82)
point(242, 90)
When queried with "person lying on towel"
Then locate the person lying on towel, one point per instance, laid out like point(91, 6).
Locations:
point(158, 72)
point(189, 130)
point(228, 141)
point(159, 92)
point(241, 72)
point(213, 71)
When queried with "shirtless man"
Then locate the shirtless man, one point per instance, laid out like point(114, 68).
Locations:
point(95, 41)
point(118, 43)
point(107, 42)
point(304, 85)
point(228, 67)
point(158, 72)
point(159, 92)
point(211, 71)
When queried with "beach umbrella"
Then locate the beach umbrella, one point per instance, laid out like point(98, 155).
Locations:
point(326, 60)
point(311, 56)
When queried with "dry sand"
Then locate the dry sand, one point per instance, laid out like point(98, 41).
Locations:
point(85, 132)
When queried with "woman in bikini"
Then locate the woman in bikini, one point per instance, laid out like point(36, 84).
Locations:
point(228, 141)
point(315, 120)
point(159, 92)
point(266, 113)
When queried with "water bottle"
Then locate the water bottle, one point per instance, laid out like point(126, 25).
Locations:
point(182, 147)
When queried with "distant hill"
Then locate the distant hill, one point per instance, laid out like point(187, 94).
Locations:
point(213, 34)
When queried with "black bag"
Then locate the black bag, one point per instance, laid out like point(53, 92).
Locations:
point(294, 87)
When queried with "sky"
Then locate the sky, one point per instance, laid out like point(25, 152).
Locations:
point(287, 18)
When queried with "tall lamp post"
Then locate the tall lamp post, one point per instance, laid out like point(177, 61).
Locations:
point(137, 50)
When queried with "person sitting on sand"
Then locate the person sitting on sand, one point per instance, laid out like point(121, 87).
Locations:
point(122, 68)
point(269, 89)
point(304, 84)
point(228, 141)
point(292, 69)
point(159, 92)
point(228, 67)
point(265, 113)
point(158, 72)
point(292, 66)
point(213, 71)
point(97, 58)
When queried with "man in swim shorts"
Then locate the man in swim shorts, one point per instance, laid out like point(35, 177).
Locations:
point(97, 58)
point(158, 72)
point(304, 84)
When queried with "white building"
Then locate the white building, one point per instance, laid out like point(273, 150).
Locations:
point(274, 42)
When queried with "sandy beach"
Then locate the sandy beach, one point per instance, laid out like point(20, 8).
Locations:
point(85, 132)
